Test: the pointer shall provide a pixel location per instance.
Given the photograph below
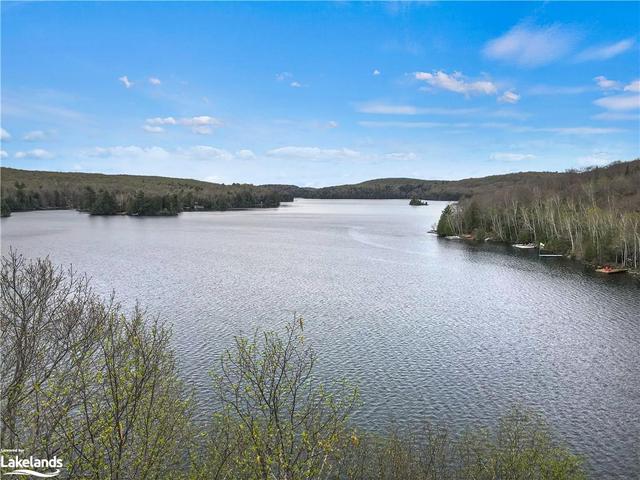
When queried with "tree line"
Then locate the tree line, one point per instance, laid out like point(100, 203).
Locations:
point(595, 218)
point(102, 201)
point(100, 389)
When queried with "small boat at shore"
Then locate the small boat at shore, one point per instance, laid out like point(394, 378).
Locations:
point(608, 269)
point(524, 246)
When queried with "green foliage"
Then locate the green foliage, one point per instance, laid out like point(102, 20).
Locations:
point(593, 216)
point(84, 381)
point(521, 447)
point(105, 204)
point(5, 209)
point(30, 190)
point(277, 420)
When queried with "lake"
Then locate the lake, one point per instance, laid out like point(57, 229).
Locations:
point(430, 329)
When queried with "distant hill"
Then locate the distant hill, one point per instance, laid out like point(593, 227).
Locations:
point(619, 180)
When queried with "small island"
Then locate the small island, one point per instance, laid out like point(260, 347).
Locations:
point(416, 202)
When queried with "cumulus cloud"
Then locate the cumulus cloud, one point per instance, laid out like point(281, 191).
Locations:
point(606, 84)
point(531, 46)
point(314, 153)
point(619, 102)
point(161, 121)
point(332, 124)
point(37, 153)
point(4, 135)
point(295, 84)
point(125, 81)
point(3, 154)
point(633, 86)
point(375, 72)
point(154, 81)
point(245, 154)
point(153, 129)
point(34, 136)
point(456, 83)
point(509, 97)
point(202, 124)
point(511, 157)
point(606, 51)
point(206, 152)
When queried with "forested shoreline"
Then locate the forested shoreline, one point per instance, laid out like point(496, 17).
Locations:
point(593, 215)
point(98, 194)
point(100, 389)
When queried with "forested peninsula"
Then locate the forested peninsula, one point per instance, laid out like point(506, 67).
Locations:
point(99, 194)
point(591, 215)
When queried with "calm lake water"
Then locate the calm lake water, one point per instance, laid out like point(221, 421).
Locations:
point(429, 329)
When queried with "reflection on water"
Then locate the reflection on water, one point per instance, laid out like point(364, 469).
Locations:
point(430, 329)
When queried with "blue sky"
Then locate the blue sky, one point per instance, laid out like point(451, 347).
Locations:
point(319, 93)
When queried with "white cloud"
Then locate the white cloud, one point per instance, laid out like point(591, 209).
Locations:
point(530, 46)
point(202, 120)
point(202, 124)
point(332, 124)
point(511, 157)
point(595, 159)
point(314, 153)
point(3, 154)
point(295, 84)
point(409, 156)
point(633, 86)
point(133, 153)
point(125, 81)
point(38, 153)
point(616, 116)
point(153, 129)
point(206, 152)
point(375, 72)
point(619, 102)
point(559, 89)
point(606, 84)
point(394, 124)
point(245, 154)
point(509, 97)
point(456, 83)
point(580, 130)
point(604, 52)
point(493, 125)
point(161, 121)
point(34, 136)
point(282, 76)
point(4, 135)
point(154, 81)
point(395, 109)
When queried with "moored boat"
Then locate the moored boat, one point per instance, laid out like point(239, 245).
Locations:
point(609, 269)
